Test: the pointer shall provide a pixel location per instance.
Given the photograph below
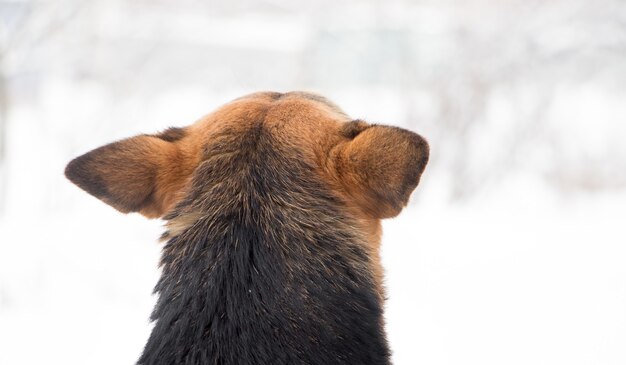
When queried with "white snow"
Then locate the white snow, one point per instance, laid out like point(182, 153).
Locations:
point(512, 250)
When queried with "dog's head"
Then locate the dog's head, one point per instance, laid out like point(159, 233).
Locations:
point(372, 168)
point(266, 159)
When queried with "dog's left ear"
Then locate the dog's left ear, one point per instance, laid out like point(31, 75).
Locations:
point(144, 174)
point(380, 167)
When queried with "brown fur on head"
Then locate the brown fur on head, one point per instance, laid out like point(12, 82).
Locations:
point(371, 168)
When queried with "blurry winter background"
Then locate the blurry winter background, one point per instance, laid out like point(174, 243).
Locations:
point(513, 250)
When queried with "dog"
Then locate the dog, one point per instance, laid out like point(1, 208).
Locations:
point(273, 206)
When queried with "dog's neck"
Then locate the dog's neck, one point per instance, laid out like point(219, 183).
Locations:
point(264, 272)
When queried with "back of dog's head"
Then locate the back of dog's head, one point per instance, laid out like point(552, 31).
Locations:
point(277, 194)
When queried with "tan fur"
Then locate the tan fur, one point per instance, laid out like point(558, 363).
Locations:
point(365, 166)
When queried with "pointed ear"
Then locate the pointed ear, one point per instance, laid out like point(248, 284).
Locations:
point(144, 174)
point(380, 167)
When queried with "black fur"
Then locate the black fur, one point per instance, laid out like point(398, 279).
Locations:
point(172, 134)
point(354, 128)
point(79, 171)
point(271, 272)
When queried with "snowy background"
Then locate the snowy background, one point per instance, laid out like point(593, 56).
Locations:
point(513, 250)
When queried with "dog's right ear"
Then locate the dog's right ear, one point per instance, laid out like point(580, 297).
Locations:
point(144, 174)
point(380, 166)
